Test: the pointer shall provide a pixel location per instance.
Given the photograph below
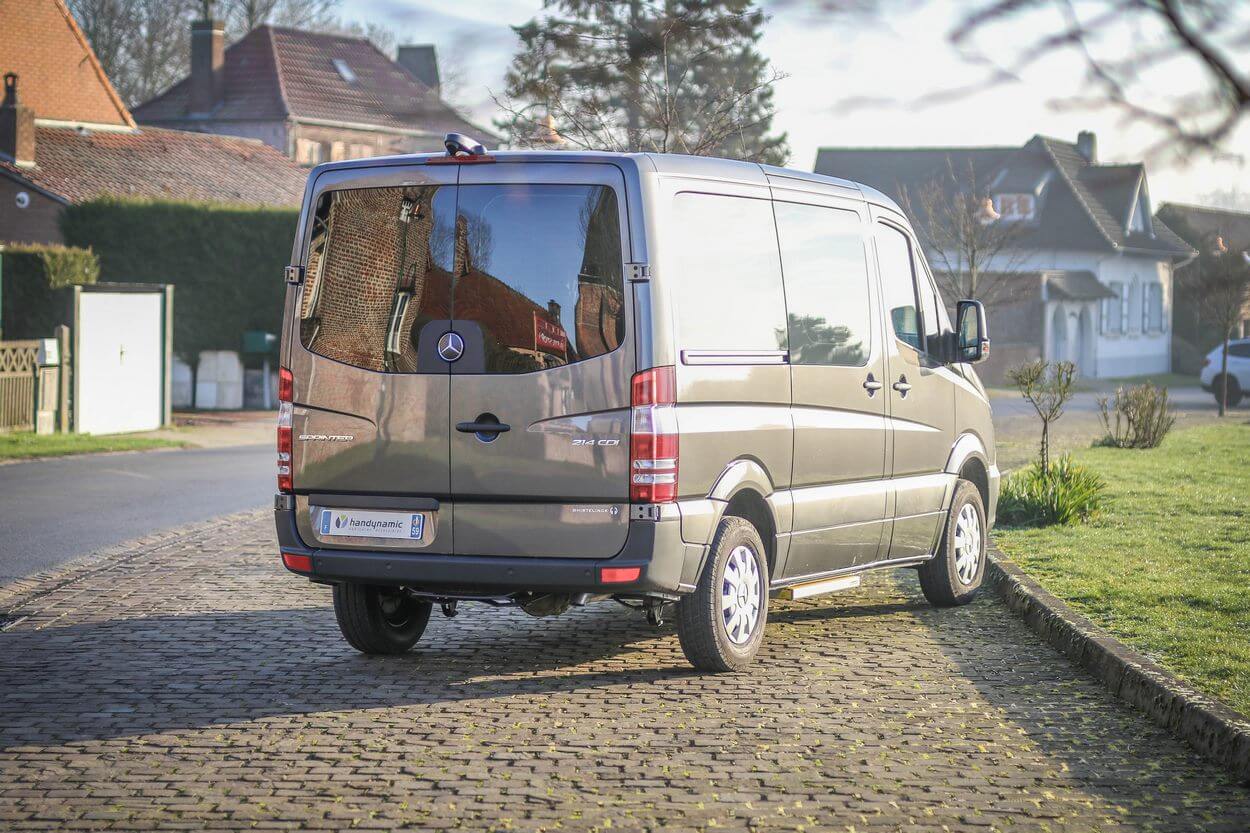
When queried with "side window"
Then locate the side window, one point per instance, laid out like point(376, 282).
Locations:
point(379, 267)
point(898, 289)
point(725, 274)
point(826, 282)
point(931, 311)
point(1241, 351)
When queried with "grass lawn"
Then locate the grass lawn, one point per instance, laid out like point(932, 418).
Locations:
point(26, 445)
point(1166, 566)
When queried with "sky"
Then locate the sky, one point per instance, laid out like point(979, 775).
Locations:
point(859, 82)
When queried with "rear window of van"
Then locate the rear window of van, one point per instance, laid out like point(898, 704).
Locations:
point(537, 267)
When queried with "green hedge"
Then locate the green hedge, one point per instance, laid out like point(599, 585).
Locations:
point(224, 261)
point(33, 277)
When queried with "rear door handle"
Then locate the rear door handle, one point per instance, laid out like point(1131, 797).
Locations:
point(901, 386)
point(872, 385)
point(482, 427)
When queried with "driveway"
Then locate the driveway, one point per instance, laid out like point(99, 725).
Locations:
point(201, 686)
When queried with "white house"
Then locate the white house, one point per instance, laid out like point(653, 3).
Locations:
point(1094, 265)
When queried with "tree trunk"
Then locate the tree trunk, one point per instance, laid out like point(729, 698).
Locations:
point(1224, 375)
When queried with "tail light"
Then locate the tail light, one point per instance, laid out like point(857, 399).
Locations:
point(653, 437)
point(286, 389)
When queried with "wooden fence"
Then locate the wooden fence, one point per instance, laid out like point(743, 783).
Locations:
point(18, 366)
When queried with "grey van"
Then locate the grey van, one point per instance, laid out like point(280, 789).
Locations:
point(687, 384)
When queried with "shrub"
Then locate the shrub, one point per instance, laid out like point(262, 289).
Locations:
point(225, 261)
point(33, 276)
point(1137, 417)
point(1065, 493)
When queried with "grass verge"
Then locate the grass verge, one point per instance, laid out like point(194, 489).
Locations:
point(1166, 565)
point(25, 446)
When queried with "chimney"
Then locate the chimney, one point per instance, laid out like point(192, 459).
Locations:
point(17, 126)
point(422, 62)
point(208, 57)
point(1087, 146)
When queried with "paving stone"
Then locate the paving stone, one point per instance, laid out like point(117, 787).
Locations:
point(194, 684)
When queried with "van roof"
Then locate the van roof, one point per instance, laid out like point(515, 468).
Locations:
point(662, 163)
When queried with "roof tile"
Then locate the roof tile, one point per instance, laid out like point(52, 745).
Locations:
point(152, 162)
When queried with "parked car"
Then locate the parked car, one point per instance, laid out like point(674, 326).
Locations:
point(687, 384)
point(1212, 373)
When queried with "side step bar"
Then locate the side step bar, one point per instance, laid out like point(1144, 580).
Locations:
point(817, 588)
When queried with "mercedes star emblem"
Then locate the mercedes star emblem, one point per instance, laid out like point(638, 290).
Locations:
point(451, 347)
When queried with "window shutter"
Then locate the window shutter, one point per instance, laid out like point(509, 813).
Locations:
point(1123, 322)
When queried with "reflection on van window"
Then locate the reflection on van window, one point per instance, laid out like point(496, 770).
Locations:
point(538, 268)
point(725, 274)
point(826, 277)
point(379, 267)
point(897, 286)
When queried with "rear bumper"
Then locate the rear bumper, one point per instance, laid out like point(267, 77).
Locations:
point(666, 565)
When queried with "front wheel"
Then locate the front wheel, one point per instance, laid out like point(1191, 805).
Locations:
point(721, 624)
point(379, 620)
point(1234, 390)
point(953, 576)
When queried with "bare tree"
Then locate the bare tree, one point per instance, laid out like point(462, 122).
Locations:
point(679, 76)
point(140, 43)
point(1224, 287)
point(1047, 387)
point(1126, 47)
point(242, 16)
point(973, 250)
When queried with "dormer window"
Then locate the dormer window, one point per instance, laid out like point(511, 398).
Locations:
point(345, 70)
point(1014, 208)
point(1139, 220)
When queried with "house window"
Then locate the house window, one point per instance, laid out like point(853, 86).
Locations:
point(1015, 207)
point(1115, 310)
point(344, 70)
point(1152, 308)
point(338, 151)
point(361, 151)
point(308, 152)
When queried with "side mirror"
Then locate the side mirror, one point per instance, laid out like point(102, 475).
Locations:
point(972, 336)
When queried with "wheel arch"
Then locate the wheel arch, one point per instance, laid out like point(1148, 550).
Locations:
point(743, 490)
point(969, 461)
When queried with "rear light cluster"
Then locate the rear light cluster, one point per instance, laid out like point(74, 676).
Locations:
point(286, 386)
point(653, 437)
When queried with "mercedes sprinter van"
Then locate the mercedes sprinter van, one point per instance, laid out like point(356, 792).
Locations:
point(688, 384)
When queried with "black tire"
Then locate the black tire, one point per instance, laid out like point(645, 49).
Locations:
point(379, 620)
point(1234, 390)
point(701, 625)
point(940, 577)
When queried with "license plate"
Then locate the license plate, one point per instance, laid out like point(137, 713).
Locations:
point(357, 523)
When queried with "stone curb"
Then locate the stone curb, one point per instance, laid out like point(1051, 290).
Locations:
point(1212, 728)
point(17, 593)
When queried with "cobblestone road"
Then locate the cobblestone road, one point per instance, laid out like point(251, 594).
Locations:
point(198, 686)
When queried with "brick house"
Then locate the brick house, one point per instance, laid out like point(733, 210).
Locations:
point(1091, 267)
point(66, 136)
point(314, 97)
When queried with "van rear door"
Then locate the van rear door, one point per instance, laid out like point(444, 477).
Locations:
point(370, 422)
point(539, 306)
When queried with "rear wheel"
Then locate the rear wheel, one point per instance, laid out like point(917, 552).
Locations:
point(379, 620)
point(953, 576)
point(1234, 390)
point(721, 624)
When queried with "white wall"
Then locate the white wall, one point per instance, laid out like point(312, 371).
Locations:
point(1133, 353)
point(219, 381)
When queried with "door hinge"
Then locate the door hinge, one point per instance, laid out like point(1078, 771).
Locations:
point(644, 512)
point(294, 274)
point(639, 272)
